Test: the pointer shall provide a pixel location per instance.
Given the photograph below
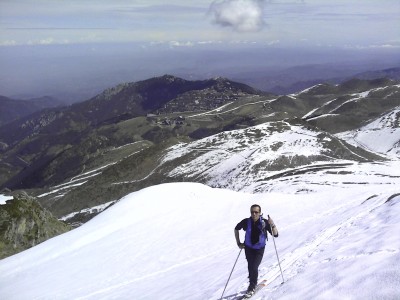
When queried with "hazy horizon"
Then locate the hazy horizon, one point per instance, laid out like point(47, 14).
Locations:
point(73, 50)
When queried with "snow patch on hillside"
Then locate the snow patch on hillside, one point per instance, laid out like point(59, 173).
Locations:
point(238, 159)
point(306, 90)
point(4, 198)
point(92, 210)
point(381, 136)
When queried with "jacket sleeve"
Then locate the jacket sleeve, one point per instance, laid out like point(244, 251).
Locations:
point(242, 225)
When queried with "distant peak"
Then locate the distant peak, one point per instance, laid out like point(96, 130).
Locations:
point(220, 78)
point(170, 78)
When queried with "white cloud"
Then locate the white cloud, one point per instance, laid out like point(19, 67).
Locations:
point(274, 42)
point(8, 43)
point(208, 42)
point(47, 41)
point(241, 15)
point(181, 44)
point(374, 46)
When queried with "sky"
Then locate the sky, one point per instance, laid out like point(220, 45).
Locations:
point(313, 22)
point(73, 50)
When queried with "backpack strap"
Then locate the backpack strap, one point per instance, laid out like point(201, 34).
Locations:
point(264, 227)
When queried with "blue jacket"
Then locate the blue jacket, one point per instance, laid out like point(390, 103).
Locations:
point(261, 225)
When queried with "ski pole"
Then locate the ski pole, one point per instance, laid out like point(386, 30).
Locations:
point(276, 251)
point(231, 273)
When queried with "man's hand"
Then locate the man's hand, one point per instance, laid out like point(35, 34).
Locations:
point(270, 222)
point(240, 245)
point(274, 230)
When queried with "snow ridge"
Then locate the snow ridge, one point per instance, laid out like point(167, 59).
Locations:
point(326, 238)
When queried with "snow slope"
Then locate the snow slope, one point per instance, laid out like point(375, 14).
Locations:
point(381, 136)
point(175, 241)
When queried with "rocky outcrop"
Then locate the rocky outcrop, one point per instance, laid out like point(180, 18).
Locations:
point(24, 223)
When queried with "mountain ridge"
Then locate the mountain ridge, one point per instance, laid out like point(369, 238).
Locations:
point(55, 134)
point(14, 109)
point(99, 155)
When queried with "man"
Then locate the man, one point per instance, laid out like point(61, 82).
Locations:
point(254, 243)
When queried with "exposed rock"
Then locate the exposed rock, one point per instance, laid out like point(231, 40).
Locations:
point(24, 223)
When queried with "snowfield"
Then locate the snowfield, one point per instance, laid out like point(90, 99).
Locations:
point(338, 239)
point(380, 136)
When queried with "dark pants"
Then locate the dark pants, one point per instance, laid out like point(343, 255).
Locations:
point(254, 258)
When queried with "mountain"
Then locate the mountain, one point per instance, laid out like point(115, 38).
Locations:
point(165, 94)
point(391, 73)
point(79, 161)
point(290, 80)
point(11, 109)
point(294, 79)
point(247, 159)
point(351, 105)
point(126, 101)
point(155, 190)
point(49, 146)
point(243, 159)
point(175, 241)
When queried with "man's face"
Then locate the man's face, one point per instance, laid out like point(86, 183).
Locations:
point(255, 213)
